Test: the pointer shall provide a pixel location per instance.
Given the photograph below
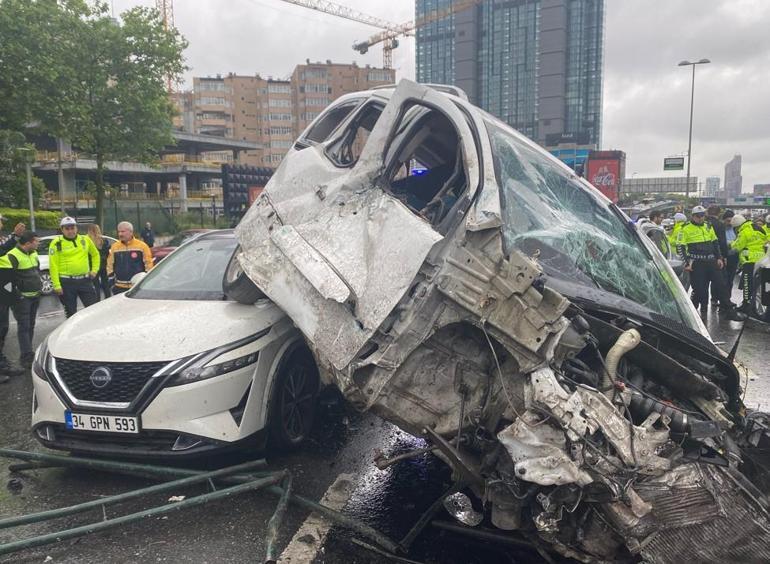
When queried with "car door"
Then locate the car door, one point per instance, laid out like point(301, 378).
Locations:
point(327, 241)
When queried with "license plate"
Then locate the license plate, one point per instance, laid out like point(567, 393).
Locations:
point(103, 423)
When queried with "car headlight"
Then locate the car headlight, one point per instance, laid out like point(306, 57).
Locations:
point(196, 373)
point(41, 365)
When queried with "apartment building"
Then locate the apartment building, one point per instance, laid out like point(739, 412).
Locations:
point(274, 112)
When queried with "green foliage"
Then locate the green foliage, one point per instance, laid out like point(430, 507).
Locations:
point(77, 73)
point(43, 219)
point(192, 220)
point(15, 152)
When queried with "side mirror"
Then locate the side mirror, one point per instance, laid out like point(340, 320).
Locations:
point(676, 263)
point(138, 277)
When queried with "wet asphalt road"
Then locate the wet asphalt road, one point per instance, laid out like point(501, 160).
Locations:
point(233, 531)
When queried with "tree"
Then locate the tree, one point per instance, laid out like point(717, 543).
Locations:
point(14, 153)
point(123, 72)
point(72, 71)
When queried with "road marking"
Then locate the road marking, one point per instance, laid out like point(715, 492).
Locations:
point(309, 538)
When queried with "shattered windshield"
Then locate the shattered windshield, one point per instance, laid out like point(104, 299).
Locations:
point(573, 235)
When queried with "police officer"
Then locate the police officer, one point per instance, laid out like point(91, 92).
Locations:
point(750, 244)
point(23, 268)
point(697, 243)
point(679, 220)
point(73, 262)
point(7, 298)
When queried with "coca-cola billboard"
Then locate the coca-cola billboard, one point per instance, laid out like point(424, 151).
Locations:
point(605, 174)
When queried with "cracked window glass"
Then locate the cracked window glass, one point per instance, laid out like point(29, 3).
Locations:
point(575, 236)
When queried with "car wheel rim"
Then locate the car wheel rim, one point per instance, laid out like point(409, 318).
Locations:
point(297, 402)
point(47, 284)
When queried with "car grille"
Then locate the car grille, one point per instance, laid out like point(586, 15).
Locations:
point(128, 379)
point(161, 441)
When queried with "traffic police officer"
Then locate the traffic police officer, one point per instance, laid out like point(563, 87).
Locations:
point(22, 267)
point(73, 263)
point(750, 244)
point(7, 298)
point(697, 243)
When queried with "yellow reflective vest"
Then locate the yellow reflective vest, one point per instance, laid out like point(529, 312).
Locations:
point(72, 258)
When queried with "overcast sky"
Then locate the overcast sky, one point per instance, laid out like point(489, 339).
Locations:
point(646, 96)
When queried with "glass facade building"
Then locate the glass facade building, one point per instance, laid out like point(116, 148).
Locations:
point(535, 64)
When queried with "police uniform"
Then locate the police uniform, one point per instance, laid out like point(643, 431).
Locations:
point(71, 262)
point(23, 270)
point(699, 246)
point(750, 245)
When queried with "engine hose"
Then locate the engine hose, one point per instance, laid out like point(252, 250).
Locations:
point(627, 341)
point(641, 406)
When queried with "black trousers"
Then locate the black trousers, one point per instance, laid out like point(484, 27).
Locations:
point(4, 309)
point(72, 289)
point(25, 312)
point(747, 280)
point(705, 272)
point(102, 285)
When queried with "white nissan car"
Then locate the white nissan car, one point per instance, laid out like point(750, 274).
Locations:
point(174, 368)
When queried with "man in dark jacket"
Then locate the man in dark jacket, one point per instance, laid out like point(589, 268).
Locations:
point(720, 293)
point(8, 297)
point(148, 235)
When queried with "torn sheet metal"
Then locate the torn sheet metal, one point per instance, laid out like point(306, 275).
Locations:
point(539, 453)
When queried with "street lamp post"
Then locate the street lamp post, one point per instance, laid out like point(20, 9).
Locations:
point(692, 102)
point(29, 158)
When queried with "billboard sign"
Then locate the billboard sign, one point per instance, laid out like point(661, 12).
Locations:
point(673, 163)
point(604, 174)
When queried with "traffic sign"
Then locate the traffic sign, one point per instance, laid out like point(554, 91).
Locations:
point(673, 163)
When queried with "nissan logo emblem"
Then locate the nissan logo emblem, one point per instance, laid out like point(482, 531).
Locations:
point(101, 377)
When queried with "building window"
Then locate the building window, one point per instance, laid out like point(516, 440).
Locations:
point(313, 73)
point(279, 88)
point(323, 101)
point(279, 103)
point(380, 75)
point(279, 117)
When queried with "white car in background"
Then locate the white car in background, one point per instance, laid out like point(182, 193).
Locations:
point(173, 368)
point(42, 252)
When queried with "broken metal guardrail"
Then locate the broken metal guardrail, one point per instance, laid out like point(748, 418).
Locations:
point(239, 479)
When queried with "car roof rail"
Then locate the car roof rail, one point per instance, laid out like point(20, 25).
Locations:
point(445, 88)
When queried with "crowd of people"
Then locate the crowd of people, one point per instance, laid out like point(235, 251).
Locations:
point(82, 267)
point(715, 246)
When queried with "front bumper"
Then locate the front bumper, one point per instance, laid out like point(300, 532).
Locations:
point(179, 421)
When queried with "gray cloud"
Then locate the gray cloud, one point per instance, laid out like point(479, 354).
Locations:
point(646, 96)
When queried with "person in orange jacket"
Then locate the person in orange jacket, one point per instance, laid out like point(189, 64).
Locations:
point(128, 257)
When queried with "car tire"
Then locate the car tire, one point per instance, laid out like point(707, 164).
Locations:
point(761, 311)
point(293, 399)
point(45, 278)
point(236, 285)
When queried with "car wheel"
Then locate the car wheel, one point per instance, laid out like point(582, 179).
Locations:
point(293, 405)
point(47, 288)
point(236, 285)
point(760, 310)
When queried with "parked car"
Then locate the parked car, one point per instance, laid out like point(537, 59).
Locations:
point(42, 251)
point(462, 283)
point(162, 251)
point(172, 368)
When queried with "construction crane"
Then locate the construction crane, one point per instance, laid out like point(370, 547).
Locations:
point(389, 37)
point(166, 9)
point(390, 31)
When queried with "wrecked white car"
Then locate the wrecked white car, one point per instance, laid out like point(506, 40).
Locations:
point(452, 277)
